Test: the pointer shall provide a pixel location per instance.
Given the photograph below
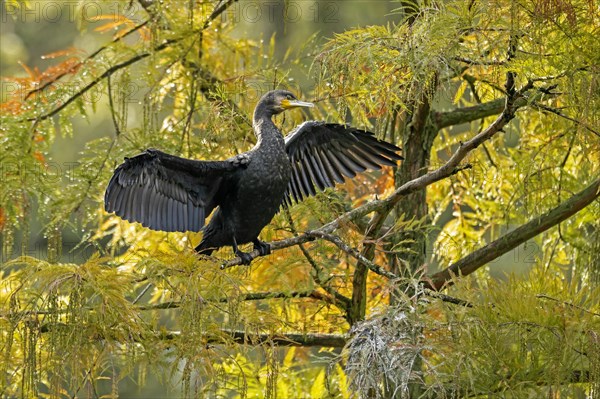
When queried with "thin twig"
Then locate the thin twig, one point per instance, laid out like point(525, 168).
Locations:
point(353, 252)
point(104, 75)
point(141, 294)
point(572, 305)
point(344, 301)
point(218, 11)
point(567, 117)
point(224, 336)
point(252, 296)
point(111, 106)
point(88, 58)
point(283, 339)
point(482, 62)
point(447, 298)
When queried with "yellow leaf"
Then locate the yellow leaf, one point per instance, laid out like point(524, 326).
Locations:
point(289, 357)
point(343, 381)
point(460, 92)
point(317, 390)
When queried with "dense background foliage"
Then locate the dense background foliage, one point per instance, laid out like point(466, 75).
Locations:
point(93, 306)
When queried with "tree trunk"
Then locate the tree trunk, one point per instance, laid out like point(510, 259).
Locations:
point(418, 133)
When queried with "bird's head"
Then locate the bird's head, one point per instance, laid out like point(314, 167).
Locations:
point(277, 101)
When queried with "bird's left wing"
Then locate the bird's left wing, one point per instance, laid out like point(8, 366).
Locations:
point(323, 154)
point(168, 193)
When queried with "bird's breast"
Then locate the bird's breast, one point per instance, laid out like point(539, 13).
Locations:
point(269, 170)
point(260, 191)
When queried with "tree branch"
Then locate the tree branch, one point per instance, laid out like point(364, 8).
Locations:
point(509, 241)
point(219, 9)
point(477, 62)
point(216, 13)
point(286, 339)
point(572, 305)
point(340, 300)
point(222, 336)
point(275, 245)
point(447, 298)
point(354, 253)
point(468, 114)
point(567, 117)
point(252, 296)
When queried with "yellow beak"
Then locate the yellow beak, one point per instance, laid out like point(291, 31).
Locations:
point(287, 104)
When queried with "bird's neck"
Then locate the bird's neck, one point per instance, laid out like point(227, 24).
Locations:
point(262, 111)
point(264, 128)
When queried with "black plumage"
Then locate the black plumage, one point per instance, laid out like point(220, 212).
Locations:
point(168, 193)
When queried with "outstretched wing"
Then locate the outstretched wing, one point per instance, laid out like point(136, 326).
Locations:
point(322, 154)
point(165, 192)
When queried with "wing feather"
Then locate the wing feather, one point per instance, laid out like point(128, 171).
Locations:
point(318, 172)
point(168, 193)
point(323, 154)
point(355, 163)
point(320, 166)
point(294, 188)
point(333, 172)
point(305, 185)
point(159, 218)
point(306, 161)
point(338, 160)
point(170, 226)
point(383, 157)
point(366, 159)
point(179, 214)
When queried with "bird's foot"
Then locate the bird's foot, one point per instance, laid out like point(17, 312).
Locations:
point(244, 256)
point(262, 247)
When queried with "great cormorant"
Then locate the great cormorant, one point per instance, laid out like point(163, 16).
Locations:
point(168, 193)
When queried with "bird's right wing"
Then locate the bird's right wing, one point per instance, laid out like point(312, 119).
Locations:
point(168, 193)
point(323, 154)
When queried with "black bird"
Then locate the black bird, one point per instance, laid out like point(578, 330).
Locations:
point(168, 193)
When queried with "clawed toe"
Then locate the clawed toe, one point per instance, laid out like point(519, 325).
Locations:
point(262, 247)
point(245, 257)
